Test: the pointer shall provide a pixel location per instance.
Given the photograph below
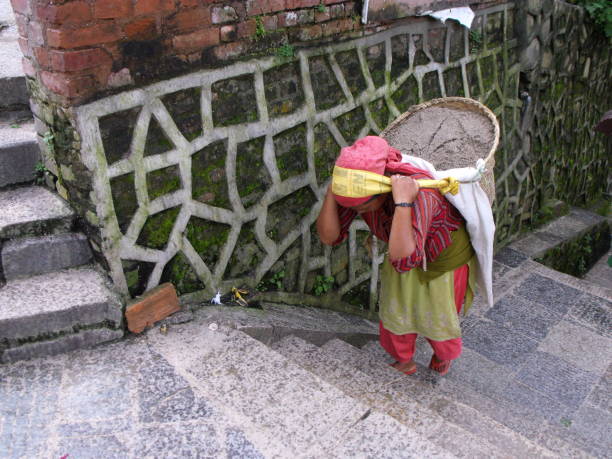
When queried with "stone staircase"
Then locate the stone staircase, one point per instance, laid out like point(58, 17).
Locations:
point(52, 298)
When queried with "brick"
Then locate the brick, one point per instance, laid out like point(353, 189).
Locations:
point(223, 14)
point(230, 51)
point(259, 7)
point(195, 41)
point(310, 33)
point(187, 20)
point(141, 29)
point(24, 45)
point(323, 16)
point(28, 67)
point(247, 28)
point(68, 86)
point(270, 22)
point(336, 11)
point(22, 24)
point(67, 13)
point(35, 33)
point(84, 36)
point(189, 3)
point(75, 61)
point(153, 306)
point(153, 6)
point(305, 16)
point(112, 9)
point(228, 33)
point(41, 54)
point(21, 7)
point(294, 4)
point(288, 19)
point(336, 27)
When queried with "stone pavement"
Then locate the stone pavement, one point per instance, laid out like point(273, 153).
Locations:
point(534, 380)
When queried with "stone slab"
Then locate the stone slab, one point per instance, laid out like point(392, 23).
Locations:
point(290, 406)
point(65, 343)
point(56, 302)
point(510, 257)
point(578, 346)
point(549, 293)
point(601, 395)
point(13, 90)
point(31, 256)
point(593, 312)
point(498, 343)
point(557, 379)
point(19, 153)
point(523, 316)
point(33, 211)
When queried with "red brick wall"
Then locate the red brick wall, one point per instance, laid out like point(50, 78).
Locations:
point(83, 49)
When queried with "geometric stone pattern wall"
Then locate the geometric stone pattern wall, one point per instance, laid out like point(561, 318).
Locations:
point(215, 178)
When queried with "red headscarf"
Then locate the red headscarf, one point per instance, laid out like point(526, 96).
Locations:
point(372, 154)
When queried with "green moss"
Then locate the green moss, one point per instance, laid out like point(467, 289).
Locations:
point(290, 149)
point(326, 149)
point(406, 95)
point(286, 214)
point(380, 112)
point(181, 274)
point(184, 107)
point(157, 229)
point(359, 295)
point(157, 142)
point(207, 238)
point(577, 256)
point(252, 177)
point(351, 123)
point(124, 199)
point(137, 275)
point(163, 181)
point(209, 183)
point(431, 86)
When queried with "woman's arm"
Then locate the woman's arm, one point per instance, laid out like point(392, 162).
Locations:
point(401, 240)
point(328, 222)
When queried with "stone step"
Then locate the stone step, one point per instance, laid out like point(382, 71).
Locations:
point(405, 409)
point(57, 312)
point(297, 413)
point(13, 90)
point(523, 423)
point(33, 211)
point(19, 153)
point(38, 255)
point(420, 387)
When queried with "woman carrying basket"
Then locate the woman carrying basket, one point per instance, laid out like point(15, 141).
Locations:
point(427, 275)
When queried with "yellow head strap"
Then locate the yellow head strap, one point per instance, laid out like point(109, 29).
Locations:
point(354, 183)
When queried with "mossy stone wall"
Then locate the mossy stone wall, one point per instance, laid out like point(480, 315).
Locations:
point(214, 179)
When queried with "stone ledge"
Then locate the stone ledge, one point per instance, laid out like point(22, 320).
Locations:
point(33, 210)
point(56, 302)
point(66, 343)
point(38, 255)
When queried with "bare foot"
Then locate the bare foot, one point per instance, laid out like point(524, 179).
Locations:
point(406, 367)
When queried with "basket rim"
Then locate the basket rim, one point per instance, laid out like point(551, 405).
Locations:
point(442, 101)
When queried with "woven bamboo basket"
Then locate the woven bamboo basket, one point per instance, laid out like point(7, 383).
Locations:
point(398, 138)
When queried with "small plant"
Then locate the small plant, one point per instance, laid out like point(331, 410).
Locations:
point(476, 39)
point(565, 422)
point(286, 51)
point(40, 173)
point(273, 283)
point(601, 13)
point(323, 284)
point(15, 126)
point(48, 139)
point(260, 29)
point(321, 7)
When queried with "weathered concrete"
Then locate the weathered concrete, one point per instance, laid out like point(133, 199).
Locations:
point(38, 255)
point(33, 210)
point(19, 153)
point(13, 91)
point(55, 303)
point(61, 344)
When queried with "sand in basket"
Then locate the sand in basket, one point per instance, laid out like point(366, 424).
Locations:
point(449, 133)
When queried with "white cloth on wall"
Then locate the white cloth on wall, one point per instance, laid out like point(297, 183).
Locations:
point(463, 14)
point(472, 202)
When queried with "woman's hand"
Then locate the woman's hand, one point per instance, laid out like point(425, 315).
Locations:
point(404, 188)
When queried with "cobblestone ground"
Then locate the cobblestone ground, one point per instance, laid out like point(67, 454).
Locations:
point(543, 348)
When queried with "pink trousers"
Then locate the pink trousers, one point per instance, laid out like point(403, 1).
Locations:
point(402, 347)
